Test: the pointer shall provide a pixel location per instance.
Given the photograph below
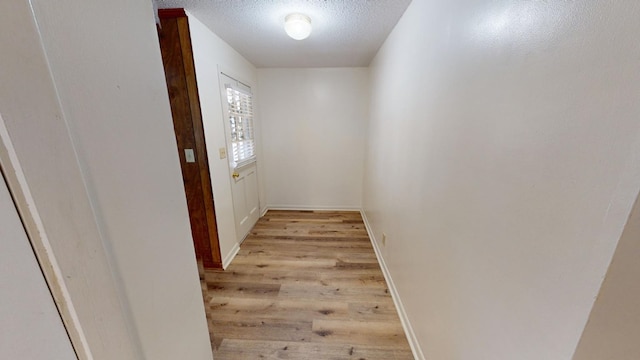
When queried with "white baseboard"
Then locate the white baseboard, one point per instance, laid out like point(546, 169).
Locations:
point(230, 256)
point(406, 324)
point(312, 207)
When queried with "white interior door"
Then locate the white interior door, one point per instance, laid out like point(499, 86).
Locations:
point(245, 199)
point(238, 118)
point(30, 325)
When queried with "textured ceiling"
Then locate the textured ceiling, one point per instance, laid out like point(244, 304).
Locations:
point(345, 32)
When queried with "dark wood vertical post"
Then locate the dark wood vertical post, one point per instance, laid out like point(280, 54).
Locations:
point(179, 67)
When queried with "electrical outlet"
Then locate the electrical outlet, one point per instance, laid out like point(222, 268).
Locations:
point(384, 239)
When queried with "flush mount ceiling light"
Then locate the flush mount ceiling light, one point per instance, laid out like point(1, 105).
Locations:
point(298, 26)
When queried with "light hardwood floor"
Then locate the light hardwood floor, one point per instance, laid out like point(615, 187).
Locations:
point(305, 285)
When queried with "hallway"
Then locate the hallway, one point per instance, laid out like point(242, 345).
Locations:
point(305, 285)
point(491, 147)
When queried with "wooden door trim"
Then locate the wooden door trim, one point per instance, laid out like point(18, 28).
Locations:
point(171, 13)
point(176, 20)
point(198, 129)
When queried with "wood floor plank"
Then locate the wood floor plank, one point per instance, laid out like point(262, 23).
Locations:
point(373, 311)
point(318, 233)
point(285, 261)
point(367, 278)
point(305, 285)
point(358, 332)
point(243, 289)
point(262, 329)
point(320, 269)
point(335, 240)
point(302, 310)
point(286, 276)
point(233, 276)
point(290, 291)
point(359, 278)
point(307, 244)
point(280, 350)
point(297, 254)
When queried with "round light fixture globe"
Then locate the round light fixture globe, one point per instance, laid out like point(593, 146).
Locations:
point(298, 26)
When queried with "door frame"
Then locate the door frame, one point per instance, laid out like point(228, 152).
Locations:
point(189, 133)
point(11, 171)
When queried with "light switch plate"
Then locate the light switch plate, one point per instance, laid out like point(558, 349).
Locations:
point(223, 153)
point(189, 156)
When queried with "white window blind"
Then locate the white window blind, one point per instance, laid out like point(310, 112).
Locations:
point(241, 125)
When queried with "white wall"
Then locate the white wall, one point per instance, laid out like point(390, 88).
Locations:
point(502, 164)
point(103, 169)
point(613, 329)
point(211, 54)
point(314, 131)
